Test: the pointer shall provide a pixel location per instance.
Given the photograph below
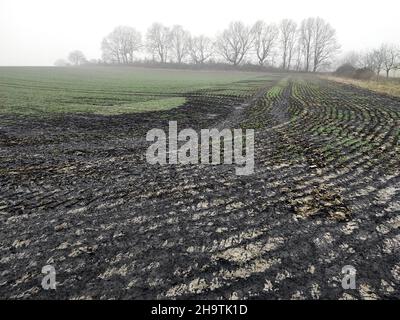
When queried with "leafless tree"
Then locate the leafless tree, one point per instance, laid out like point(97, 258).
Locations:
point(299, 54)
point(235, 42)
point(367, 60)
point(324, 43)
point(158, 39)
point(287, 30)
point(121, 44)
point(373, 60)
point(390, 56)
point(354, 58)
point(200, 49)
point(274, 59)
point(292, 49)
point(265, 37)
point(179, 43)
point(77, 58)
point(378, 59)
point(306, 33)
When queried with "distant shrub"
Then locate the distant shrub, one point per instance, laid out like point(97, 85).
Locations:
point(364, 74)
point(346, 70)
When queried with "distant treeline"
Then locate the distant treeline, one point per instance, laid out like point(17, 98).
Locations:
point(309, 46)
point(206, 66)
point(366, 65)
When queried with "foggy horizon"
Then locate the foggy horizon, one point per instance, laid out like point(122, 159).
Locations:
point(38, 33)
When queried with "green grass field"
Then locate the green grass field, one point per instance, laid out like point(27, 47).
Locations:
point(109, 90)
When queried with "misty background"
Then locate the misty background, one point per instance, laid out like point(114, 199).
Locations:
point(37, 33)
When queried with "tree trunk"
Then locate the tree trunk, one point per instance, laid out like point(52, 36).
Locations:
point(307, 60)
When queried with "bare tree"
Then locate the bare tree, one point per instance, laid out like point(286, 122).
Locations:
point(390, 55)
point(200, 49)
point(77, 58)
point(235, 42)
point(367, 60)
point(354, 59)
point(179, 43)
point(292, 48)
point(299, 54)
point(373, 60)
point(306, 33)
point(378, 59)
point(324, 43)
point(264, 36)
point(274, 58)
point(121, 44)
point(287, 30)
point(158, 41)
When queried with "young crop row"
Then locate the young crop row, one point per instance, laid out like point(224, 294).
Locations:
point(340, 134)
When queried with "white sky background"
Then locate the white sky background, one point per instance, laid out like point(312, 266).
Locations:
point(38, 32)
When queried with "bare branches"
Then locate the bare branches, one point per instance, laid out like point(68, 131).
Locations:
point(386, 57)
point(287, 30)
point(355, 59)
point(121, 44)
point(305, 41)
point(234, 42)
point(200, 49)
point(265, 37)
point(373, 60)
point(325, 44)
point(179, 43)
point(309, 47)
point(158, 41)
point(390, 58)
point(77, 58)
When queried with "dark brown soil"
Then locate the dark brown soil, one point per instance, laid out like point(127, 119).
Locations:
point(77, 193)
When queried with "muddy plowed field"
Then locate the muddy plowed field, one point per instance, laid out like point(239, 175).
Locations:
point(77, 193)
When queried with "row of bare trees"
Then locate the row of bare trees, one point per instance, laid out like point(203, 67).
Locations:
point(385, 58)
point(307, 47)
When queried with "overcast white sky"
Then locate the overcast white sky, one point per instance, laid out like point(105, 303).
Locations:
point(37, 32)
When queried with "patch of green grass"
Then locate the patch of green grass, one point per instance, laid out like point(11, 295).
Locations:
point(277, 90)
point(112, 90)
point(151, 105)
